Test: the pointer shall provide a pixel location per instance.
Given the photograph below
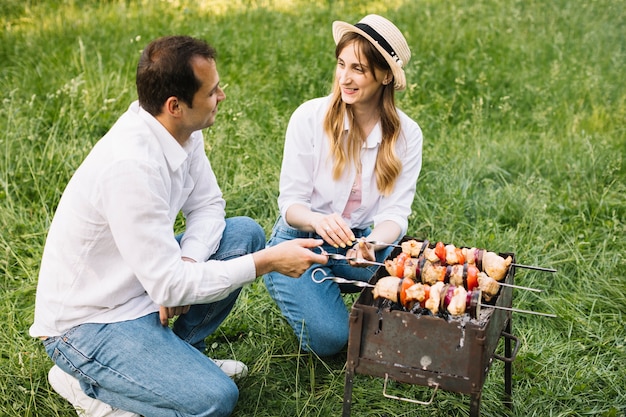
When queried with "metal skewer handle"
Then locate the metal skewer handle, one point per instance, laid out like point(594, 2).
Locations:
point(338, 280)
point(504, 284)
point(536, 268)
point(517, 310)
point(340, 257)
point(475, 306)
point(354, 259)
point(379, 243)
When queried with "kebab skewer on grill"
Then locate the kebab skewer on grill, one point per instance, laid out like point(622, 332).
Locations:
point(489, 262)
point(437, 297)
point(443, 261)
point(457, 301)
point(454, 299)
point(427, 272)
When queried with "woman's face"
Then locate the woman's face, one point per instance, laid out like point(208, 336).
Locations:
point(359, 86)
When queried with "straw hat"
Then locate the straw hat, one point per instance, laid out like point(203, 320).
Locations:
point(386, 37)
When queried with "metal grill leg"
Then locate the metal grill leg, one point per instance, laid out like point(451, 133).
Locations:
point(508, 372)
point(347, 393)
point(475, 405)
point(354, 345)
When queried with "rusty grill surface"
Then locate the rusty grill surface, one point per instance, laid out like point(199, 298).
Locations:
point(453, 355)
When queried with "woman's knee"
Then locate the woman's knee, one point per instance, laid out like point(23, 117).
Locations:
point(325, 343)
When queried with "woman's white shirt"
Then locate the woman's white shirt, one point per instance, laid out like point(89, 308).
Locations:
point(306, 173)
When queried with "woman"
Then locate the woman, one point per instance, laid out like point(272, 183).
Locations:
point(350, 165)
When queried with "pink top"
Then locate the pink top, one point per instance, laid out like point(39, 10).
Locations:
point(354, 200)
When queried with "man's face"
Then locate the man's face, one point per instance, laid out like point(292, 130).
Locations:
point(204, 107)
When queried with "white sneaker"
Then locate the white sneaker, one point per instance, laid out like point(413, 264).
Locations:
point(69, 388)
point(232, 368)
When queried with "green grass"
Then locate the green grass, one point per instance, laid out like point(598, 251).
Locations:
point(523, 108)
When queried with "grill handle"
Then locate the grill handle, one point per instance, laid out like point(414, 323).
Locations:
point(410, 400)
point(515, 349)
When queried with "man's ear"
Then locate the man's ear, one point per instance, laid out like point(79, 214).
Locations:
point(172, 106)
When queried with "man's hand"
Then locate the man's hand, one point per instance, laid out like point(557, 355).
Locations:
point(166, 313)
point(290, 258)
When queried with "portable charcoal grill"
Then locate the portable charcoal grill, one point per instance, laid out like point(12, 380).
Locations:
point(453, 355)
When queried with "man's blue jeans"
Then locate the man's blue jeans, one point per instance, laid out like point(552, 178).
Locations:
point(317, 312)
point(141, 366)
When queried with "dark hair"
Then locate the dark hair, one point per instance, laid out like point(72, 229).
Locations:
point(165, 70)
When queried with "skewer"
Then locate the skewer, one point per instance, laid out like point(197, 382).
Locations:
point(536, 268)
point(380, 243)
point(517, 310)
point(338, 256)
point(504, 284)
point(475, 305)
point(339, 280)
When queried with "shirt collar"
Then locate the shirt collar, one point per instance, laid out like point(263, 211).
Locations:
point(174, 153)
point(375, 137)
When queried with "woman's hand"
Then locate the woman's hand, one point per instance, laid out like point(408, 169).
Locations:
point(334, 230)
point(361, 250)
point(330, 227)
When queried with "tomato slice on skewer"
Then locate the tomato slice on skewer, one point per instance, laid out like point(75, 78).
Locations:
point(406, 284)
point(459, 255)
point(400, 260)
point(440, 251)
point(472, 277)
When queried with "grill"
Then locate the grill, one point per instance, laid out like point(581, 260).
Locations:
point(453, 355)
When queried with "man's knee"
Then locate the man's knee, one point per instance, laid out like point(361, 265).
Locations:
point(246, 228)
point(257, 235)
point(210, 399)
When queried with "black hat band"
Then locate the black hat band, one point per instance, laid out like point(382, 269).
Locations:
point(379, 39)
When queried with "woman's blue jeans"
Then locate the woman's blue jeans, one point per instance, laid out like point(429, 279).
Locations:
point(317, 312)
point(149, 369)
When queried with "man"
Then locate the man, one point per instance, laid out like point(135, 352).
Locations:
point(113, 274)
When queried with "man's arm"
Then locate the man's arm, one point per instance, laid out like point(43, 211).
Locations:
point(204, 208)
point(290, 258)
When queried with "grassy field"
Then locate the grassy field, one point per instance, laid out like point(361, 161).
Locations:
point(523, 108)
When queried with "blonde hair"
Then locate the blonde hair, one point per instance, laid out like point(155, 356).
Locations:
point(345, 152)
